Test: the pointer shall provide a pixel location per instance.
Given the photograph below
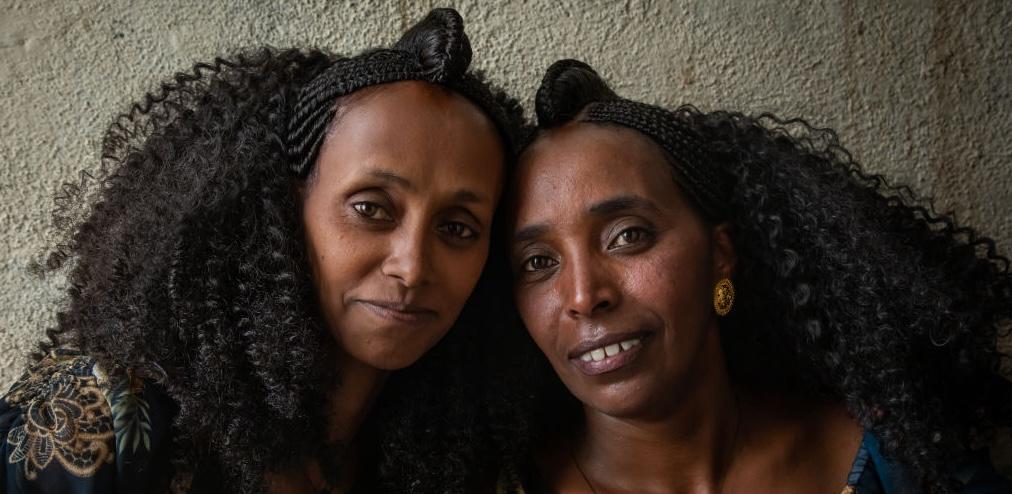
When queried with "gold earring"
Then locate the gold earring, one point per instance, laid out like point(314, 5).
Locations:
point(723, 297)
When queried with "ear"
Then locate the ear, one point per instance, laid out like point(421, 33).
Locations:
point(725, 258)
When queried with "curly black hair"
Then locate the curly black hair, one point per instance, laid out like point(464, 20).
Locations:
point(846, 287)
point(184, 251)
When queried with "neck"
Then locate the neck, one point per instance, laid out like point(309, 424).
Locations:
point(347, 406)
point(688, 448)
point(349, 403)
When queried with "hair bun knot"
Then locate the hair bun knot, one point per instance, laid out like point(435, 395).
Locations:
point(440, 44)
point(567, 87)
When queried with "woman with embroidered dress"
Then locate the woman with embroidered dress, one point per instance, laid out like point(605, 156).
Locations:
point(261, 276)
point(730, 304)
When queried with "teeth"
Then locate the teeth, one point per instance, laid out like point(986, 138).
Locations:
point(599, 354)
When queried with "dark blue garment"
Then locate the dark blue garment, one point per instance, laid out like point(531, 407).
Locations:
point(65, 428)
point(872, 473)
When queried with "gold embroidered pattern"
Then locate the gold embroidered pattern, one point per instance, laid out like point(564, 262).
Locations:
point(66, 418)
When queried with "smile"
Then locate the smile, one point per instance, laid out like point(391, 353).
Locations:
point(403, 313)
point(607, 355)
point(600, 353)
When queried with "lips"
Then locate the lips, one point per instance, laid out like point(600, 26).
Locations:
point(608, 352)
point(397, 311)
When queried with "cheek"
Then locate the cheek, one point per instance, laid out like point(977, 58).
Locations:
point(339, 257)
point(536, 307)
point(675, 283)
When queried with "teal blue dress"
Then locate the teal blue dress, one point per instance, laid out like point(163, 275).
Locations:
point(872, 473)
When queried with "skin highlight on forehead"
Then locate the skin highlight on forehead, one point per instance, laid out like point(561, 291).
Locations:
point(554, 163)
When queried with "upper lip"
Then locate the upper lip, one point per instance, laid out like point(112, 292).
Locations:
point(604, 340)
point(399, 306)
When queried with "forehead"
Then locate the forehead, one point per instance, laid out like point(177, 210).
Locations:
point(426, 132)
point(406, 110)
point(584, 163)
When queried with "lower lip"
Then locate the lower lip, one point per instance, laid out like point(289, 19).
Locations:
point(397, 315)
point(609, 364)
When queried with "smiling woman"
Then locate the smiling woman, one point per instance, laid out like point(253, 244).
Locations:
point(622, 260)
point(279, 283)
point(736, 307)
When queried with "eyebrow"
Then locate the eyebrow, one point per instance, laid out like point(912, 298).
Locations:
point(462, 195)
point(619, 204)
point(391, 177)
point(604, 208)
point(530, 232)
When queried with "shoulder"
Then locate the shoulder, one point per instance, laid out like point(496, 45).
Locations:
point(64, 424)
point(815, 439)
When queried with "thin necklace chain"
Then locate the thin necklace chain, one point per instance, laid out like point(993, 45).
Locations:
point(720, 485)
point(572, 455)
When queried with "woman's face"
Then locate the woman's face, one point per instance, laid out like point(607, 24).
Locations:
point(397, 218)
point(615, 269)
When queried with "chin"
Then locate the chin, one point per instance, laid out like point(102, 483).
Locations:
point(619, 403)
point(384, 351)
point(617, 409)
point(391, 361)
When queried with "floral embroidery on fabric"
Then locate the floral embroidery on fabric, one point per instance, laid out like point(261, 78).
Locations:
point(66, 418)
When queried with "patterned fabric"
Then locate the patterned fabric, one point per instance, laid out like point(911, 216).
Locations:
point(64, 427)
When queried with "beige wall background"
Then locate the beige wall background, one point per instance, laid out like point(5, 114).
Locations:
point(918, 90)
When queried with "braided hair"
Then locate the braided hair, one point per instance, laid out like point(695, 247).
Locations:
point(185, 251)
point(847, 287)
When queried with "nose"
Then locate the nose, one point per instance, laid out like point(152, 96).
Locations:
point(408, 258)
point(589, 288)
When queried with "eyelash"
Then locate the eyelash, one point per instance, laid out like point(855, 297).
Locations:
point(456, 230)
point(527, 266)
point(362, 209)
point(467, 233)
point(644, 234)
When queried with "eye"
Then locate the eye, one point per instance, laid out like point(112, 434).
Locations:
point(458, 230)
point(538, 263)
point(372, 211)
point(630, 236)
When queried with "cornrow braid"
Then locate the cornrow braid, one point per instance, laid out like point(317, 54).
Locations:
point(436, 50)
point(572, 90)
point(693, 172)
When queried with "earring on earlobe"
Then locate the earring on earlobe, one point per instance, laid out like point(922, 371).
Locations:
point(723, 297)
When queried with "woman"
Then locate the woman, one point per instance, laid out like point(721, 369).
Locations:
point(271, 237)
point(737, 307)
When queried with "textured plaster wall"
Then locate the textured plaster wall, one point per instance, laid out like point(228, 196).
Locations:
point(919, 90)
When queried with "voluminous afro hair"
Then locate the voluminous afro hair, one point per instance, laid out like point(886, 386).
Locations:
point(846, 286)
point(185, 252)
